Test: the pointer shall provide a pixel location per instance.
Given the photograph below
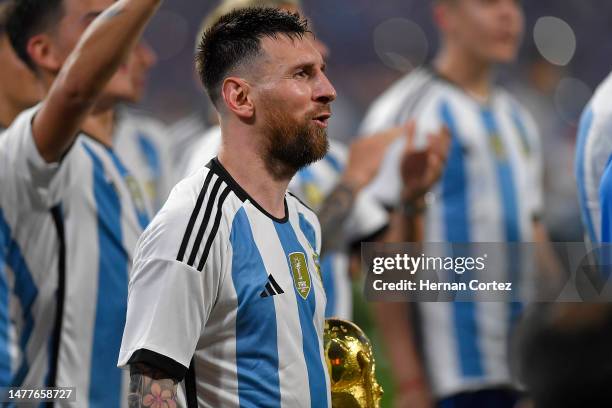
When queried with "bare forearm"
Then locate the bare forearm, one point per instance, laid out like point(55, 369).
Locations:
point(148, 385)
point(404, 228)
point(102, 48)
point(394, 322)
point(406, 223)
point(394, 319)
point(333, 214)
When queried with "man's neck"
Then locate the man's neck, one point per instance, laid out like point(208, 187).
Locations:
point(241, 158)
point(8, 111)
point(471, 74)
point(100, 125)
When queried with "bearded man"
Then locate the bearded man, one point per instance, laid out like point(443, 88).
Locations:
point(226, 291)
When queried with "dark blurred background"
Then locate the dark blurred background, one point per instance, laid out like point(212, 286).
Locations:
point(373, 42)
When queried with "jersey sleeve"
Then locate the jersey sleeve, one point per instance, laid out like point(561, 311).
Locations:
point(170, 298)
point(34, 183)
point(367, 218)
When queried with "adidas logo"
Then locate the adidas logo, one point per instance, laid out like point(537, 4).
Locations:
point(272, 288)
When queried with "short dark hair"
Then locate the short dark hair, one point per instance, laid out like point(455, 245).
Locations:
point(236, 37)
point(29, 18)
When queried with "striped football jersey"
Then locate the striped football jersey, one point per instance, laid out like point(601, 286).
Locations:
point(230, 298)
point(490, 191)
point(312, 185)
point(71, 232)
point(30, 254)
point(593, 150)
point(104, 213)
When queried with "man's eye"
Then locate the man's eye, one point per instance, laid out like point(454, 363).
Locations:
point(301, 74)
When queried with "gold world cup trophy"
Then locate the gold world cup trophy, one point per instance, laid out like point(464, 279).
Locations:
point(350, 362)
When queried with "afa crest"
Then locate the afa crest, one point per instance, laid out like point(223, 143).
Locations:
point(135, 193)
point(498, 147)
point(301, 275)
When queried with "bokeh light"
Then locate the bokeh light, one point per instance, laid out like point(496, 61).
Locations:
point(571, 96)
point(400, 44)
point(169, 34)
point(555, 40)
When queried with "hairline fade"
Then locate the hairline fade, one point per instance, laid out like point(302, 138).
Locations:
point(227, 6)
point(230, 37)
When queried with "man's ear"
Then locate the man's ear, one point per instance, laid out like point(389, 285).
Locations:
point(42, 53)
point(236, 95)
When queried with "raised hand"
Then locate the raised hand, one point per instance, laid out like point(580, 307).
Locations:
point(421, 168)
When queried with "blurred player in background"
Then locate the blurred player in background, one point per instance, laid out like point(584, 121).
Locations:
point(592, 166)
point(328, 186)
point(489, 192)
point(227, 291)
point(142, 142)
point(94, 202)
point(19, 90)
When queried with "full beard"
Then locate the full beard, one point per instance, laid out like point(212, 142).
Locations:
point(291, 145)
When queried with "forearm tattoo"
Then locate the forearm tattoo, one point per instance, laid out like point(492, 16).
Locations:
point(333, 214)
point(151, 387)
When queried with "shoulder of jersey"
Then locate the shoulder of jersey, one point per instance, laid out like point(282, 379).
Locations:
point(293, 200)
point(600, 101)
point(189, 125)
point(200, 209)
point(508, 97)
point(21, 126)
point(146, 123)
point(399, 97)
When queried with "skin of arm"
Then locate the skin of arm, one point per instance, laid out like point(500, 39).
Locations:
point(148, 385)
point(103, 47)
point(365, 156)
point(420, 171)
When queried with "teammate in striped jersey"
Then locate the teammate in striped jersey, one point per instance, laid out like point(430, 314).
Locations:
point(48, 169)
point(593, 150)
point(142, 142)
point(19, 90)
point(490, 192)
point(232, 253)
